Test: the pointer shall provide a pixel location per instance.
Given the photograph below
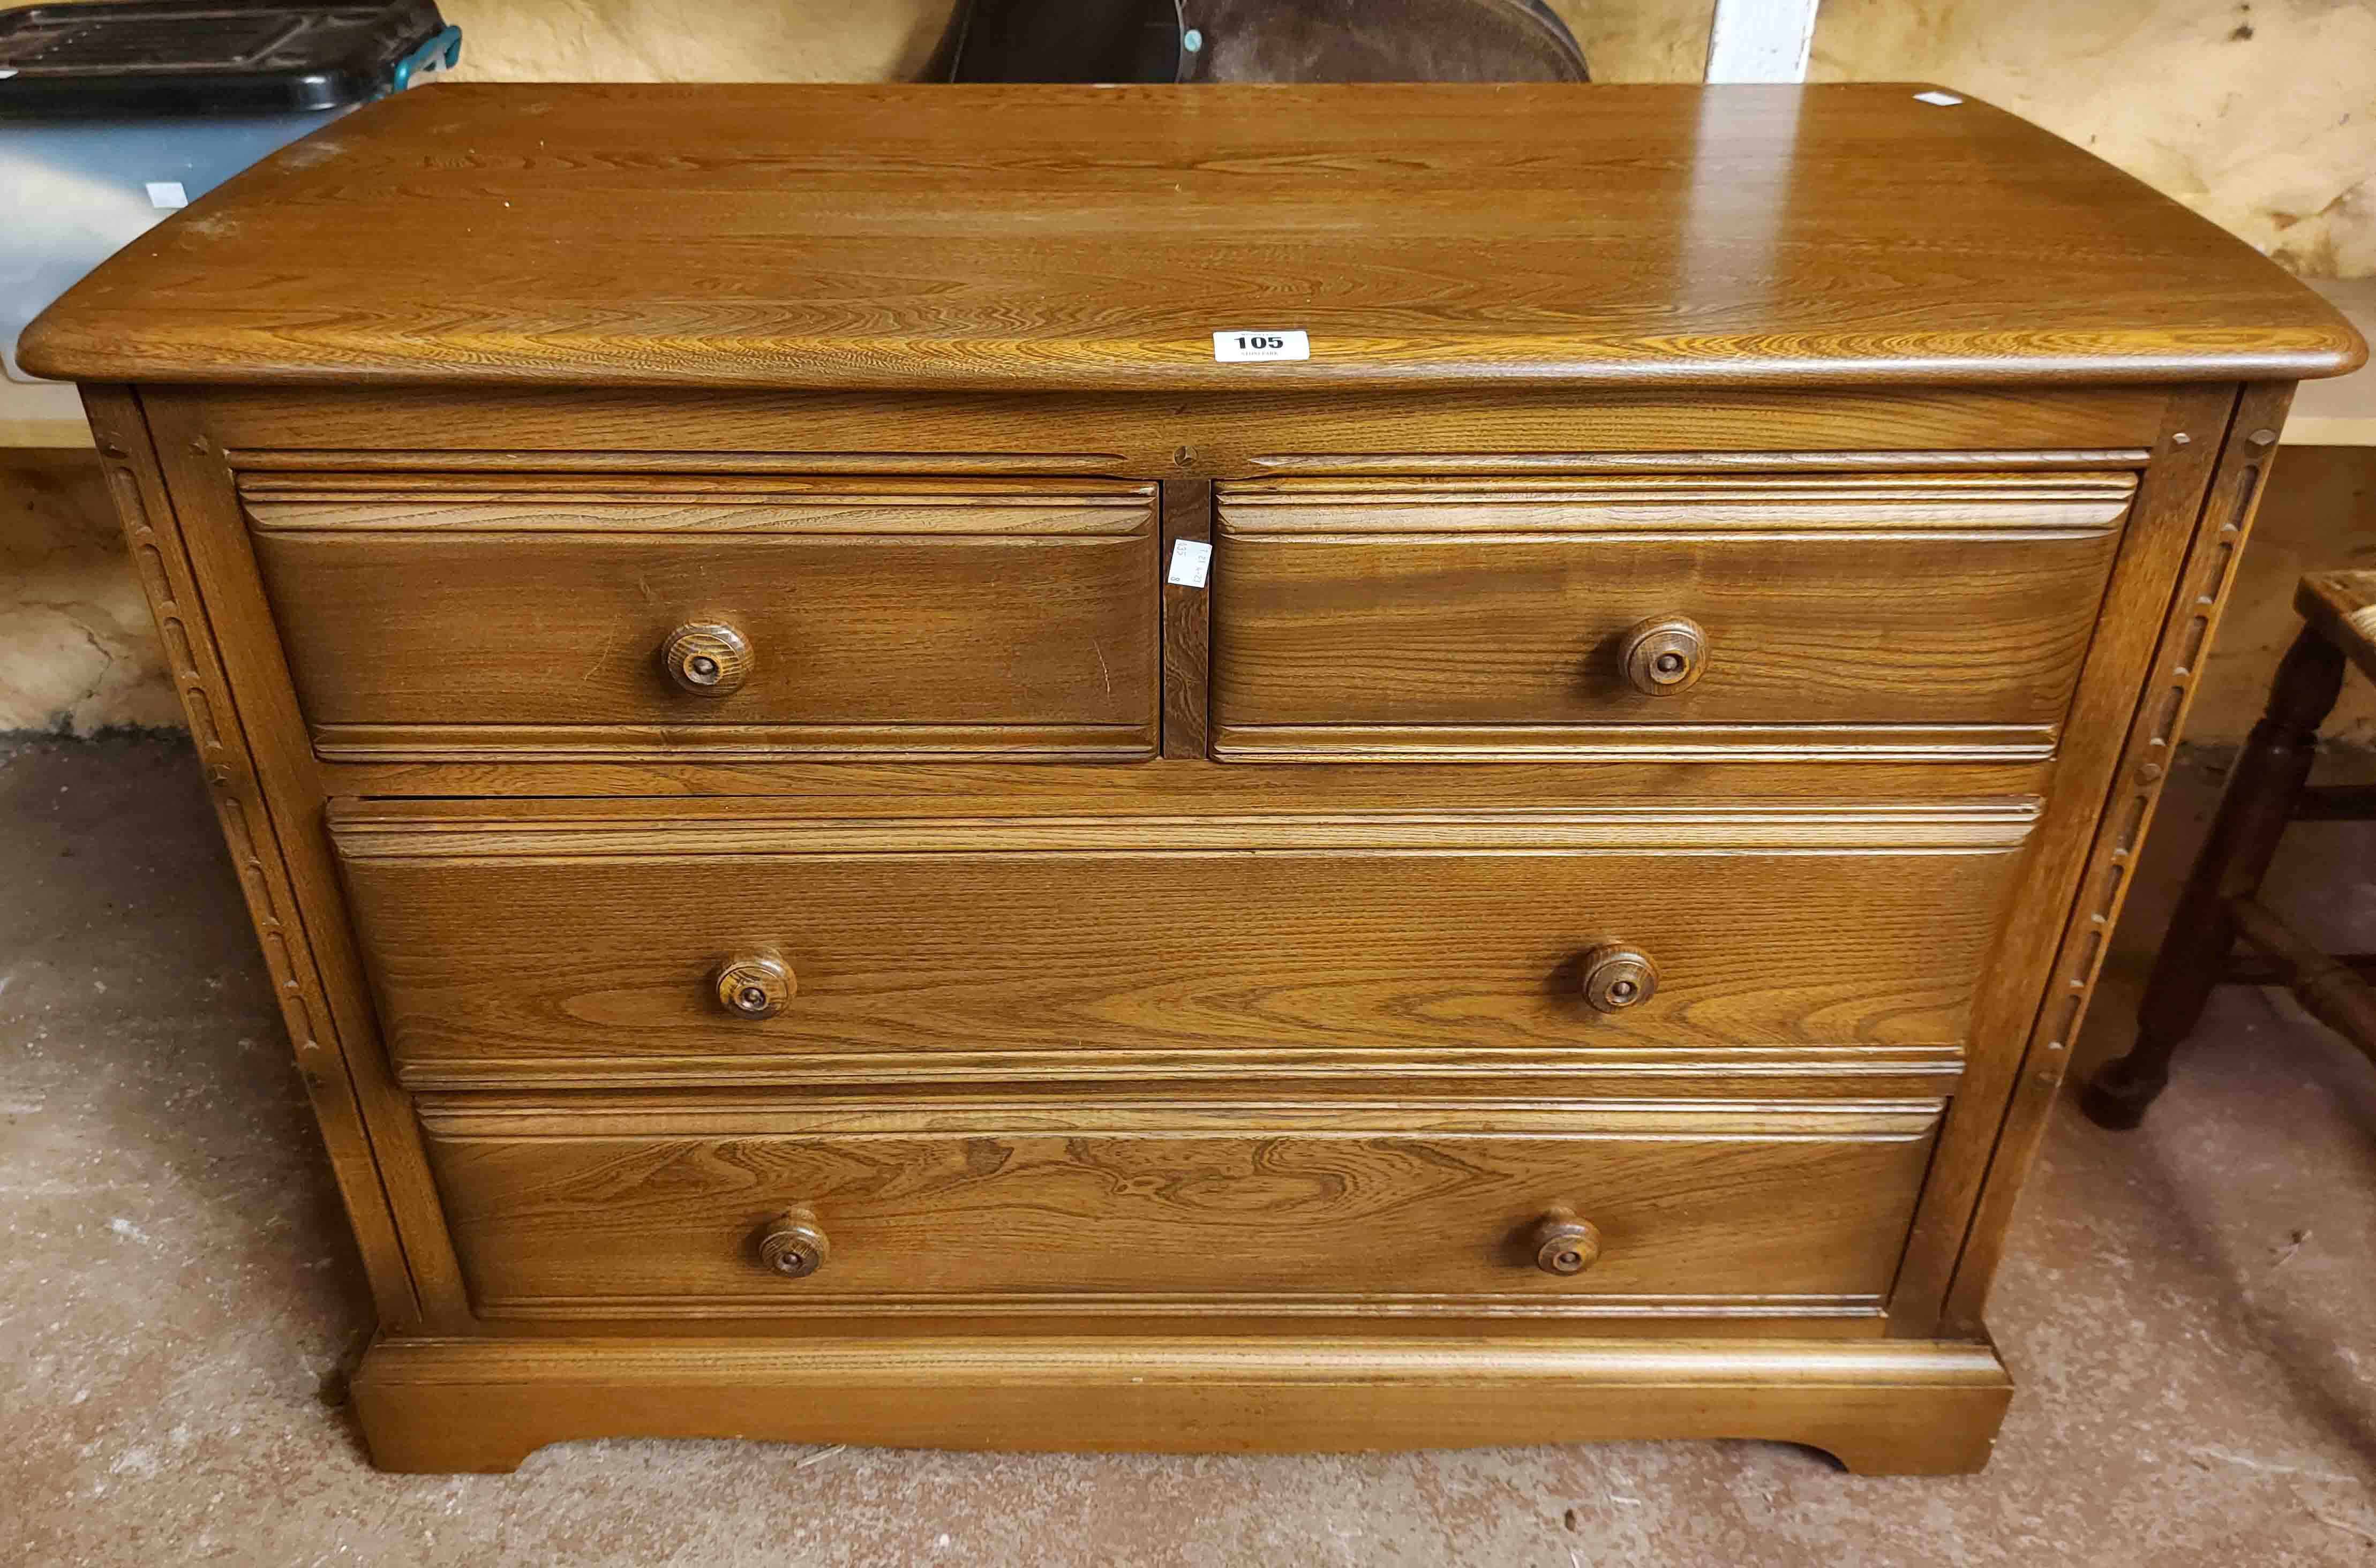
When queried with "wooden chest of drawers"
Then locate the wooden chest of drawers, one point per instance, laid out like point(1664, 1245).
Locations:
point(808, 910)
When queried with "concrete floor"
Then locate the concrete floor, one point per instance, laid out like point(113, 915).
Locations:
point(2188, 1308)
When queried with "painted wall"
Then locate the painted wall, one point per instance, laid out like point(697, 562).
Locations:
point(2260, 115)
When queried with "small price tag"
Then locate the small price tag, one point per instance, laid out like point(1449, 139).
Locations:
point(1941, 100)
point(1191, 560)
point(1239, 347)
point(167, 193)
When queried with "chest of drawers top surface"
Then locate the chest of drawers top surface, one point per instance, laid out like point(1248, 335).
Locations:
point(905, 237)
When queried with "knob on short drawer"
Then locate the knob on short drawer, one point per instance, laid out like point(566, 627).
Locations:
point(755, 985)
point(1617, 975)
point(1664, 655)
point(708, 658)
point(1563, 1243)
point(794, 1245)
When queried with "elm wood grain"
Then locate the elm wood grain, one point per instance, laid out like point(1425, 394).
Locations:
point(1195, 435)
point(540, 747)
point(198, 487)
point(631, 501)
point(876, 785)
point(2143, 598)
point(2193, 620)
point(221, 653)
point(548, 946)
point(424, 617)
point(414, 828)
point(1035, 237)
point(1503, 464)
point(227, 753)
point(1793, 236)
point(1185, 1319)
point(1646, 743)
point(1890, 1408)
point(1783, 1074)
point(1444, 616)
point(666, 1208)
point(1187, 623)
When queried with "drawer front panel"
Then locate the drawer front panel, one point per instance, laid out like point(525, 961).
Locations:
point(579, 949)
point(1824, 616)
point(660, 1210)
point(564, 619)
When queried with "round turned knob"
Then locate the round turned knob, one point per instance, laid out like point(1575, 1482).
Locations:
point(755, 985)
point(1665, 655)
point(794, 1245)
point(708, 658)
point(1564, 1245)
point(1617, 977)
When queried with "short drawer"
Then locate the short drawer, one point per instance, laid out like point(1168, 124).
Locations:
point(720, 1208)
point(620, 617)
point(1824, 616)
point(704, 943)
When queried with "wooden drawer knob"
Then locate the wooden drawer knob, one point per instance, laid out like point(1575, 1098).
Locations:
point(1616, 976)
point(708, 658)
point(794, 1245)
point(1665, 655)
point(1564, 1245)
point(755, 985)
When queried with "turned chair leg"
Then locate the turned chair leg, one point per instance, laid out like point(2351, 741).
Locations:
point(2261, 793)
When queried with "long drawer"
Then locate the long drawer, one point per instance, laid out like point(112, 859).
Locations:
point(710, 1209)
point(1847, 616)
point(720, 942)
point(602, 617)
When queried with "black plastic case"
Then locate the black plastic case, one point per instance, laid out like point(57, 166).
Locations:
point(210, 56)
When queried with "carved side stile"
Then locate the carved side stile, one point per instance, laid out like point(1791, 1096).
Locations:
point(136, 490)
point(2187, 631)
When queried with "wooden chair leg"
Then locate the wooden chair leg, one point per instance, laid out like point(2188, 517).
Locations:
point(2269, 774)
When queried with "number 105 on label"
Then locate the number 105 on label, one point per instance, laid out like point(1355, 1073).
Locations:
point(1236, 348)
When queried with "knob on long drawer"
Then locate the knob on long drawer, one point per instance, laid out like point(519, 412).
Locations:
point(708, 658)
point(794, 1245)
point(1617, 975)
point(1563, 1243)
point(1664, 655)
point(755, 985)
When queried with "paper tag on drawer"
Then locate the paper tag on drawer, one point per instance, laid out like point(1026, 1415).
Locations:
point(1238, 348)
point(1192, 560)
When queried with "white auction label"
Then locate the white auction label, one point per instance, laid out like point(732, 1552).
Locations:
point(1192, 559)
point(167, 193)
point(1237, 347)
